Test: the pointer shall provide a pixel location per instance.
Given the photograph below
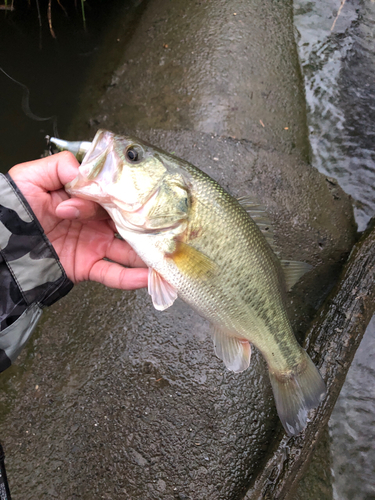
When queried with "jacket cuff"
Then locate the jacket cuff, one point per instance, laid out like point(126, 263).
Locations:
point(30, 271)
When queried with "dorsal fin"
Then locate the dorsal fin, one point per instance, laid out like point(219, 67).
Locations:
point(260, 216)
point(293, 271)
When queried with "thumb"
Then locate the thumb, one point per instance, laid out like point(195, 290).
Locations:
point(76, 208)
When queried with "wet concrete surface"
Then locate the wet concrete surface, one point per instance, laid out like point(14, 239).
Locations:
point(113, 399)
point(228, 68)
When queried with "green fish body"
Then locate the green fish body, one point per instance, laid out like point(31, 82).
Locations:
point(202, 245)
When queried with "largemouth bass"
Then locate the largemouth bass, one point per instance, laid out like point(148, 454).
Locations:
point(201, 245)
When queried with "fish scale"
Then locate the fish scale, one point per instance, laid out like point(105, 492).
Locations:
point(202, 245)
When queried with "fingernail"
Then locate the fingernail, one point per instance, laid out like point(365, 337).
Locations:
point(75, 212)
point(68, 212)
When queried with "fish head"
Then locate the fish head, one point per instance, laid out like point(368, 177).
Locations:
point(118, 169)
point(136, 178)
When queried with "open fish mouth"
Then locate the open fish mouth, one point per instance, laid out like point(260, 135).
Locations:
point(95, 154)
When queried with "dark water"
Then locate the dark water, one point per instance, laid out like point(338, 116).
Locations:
point(340, 88)
point(54, 70)
point(339, 70)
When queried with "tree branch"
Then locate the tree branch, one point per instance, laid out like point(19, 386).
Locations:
point(331, 342)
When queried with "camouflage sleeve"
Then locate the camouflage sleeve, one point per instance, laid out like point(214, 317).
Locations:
point(31, 275)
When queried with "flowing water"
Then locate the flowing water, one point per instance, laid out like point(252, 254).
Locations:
point(339, 71)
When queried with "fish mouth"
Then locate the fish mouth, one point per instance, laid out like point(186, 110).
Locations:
point(82, 185)
point(104, 137)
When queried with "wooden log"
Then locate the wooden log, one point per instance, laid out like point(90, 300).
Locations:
point(331, 342)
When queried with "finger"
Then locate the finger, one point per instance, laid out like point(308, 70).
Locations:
point(50, 173)
point(120, 251)
point(77, 208)
point(116, 276)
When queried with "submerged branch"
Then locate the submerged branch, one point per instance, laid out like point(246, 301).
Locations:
point(49, 15)
point(332, 342)
point(338, 14)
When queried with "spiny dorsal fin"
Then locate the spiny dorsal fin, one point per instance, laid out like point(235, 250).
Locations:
point(192, 262)
point(235, 352)
point(293, 271)
point(260, 216)
point(162, 293)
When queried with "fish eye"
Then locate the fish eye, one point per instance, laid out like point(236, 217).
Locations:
point(134, 153)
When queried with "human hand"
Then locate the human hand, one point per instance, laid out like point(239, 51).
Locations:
point(80, 231)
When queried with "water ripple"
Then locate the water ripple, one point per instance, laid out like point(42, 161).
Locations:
point(339, 72)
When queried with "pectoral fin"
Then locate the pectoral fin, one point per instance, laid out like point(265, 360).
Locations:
point(192, 262)
point(162, 293)
point(234, 351)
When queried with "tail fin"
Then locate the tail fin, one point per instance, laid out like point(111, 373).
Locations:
point(297, 393)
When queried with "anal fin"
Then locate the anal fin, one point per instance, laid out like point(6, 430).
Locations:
point(234, 351)
point(162, 293)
